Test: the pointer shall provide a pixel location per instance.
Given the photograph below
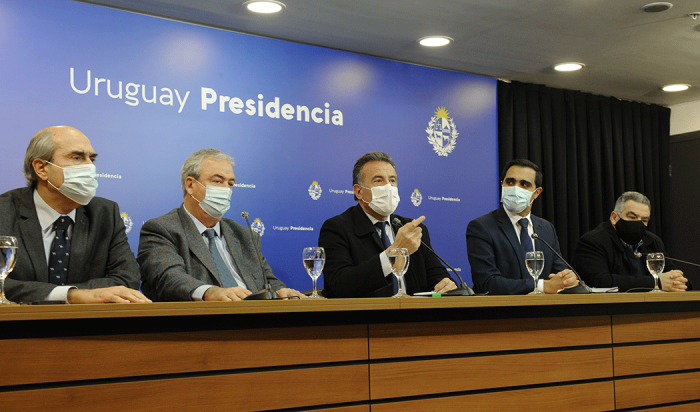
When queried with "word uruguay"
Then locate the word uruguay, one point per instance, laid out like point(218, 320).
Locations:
point(134, 93)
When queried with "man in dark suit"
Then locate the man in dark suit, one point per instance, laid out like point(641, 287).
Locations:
point(357, 263)
point(614, 253)
point(72, 246)
point(497, 241)
point(193, 252)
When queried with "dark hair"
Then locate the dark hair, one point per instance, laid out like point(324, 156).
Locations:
point(524, 163)
point(368, 157)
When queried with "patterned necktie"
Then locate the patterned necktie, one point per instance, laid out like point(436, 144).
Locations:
point(385, 239)
point(525, 241)
point(227, 280)
point(60, 252)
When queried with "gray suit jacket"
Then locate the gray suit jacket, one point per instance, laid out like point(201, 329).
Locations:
point(100, 253)
point(175, 260)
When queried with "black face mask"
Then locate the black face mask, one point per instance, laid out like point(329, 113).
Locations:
point(630, 231)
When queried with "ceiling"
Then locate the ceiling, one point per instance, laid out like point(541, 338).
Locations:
point(629, 54)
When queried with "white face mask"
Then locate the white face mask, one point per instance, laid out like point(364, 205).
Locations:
point(216, 202)
point(79, 182)
point(385, 199)
point(516, 199)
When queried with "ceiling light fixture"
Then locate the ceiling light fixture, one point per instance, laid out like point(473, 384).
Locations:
point(264, 6)
point(675, 87)
point(435, 41)
point(657, 7)
point(569, 67)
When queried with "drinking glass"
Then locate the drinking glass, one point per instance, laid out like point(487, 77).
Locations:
point(8, 254)
point(534, 261)
point(399, 259)
point(655, 264)
point(314, 259)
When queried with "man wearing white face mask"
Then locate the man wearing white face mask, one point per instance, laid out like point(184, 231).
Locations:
point(357, 241)
point(193, 252)
point(72, 246)
point(497, 242)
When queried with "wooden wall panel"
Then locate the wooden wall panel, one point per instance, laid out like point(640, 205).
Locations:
point(686, 407)
point(646, 327)
point(441, 338)
point(655, 390)
point(571, 398)
point(240, 392)
point(25, 361)
point(396, 379)
point(667, 357)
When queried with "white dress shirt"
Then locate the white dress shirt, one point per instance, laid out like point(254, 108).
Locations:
point(515, 219)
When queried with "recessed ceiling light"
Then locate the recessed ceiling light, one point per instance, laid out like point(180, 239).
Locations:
point(657, 7)
point(675, 87)
point(264, 6)
point(568, 67)
point(435, 41)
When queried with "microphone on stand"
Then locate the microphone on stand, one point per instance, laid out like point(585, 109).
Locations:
point(582, 288)
point(266, 293)
point(463, 289)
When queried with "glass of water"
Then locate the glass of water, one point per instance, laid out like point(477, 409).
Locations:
point(534, 261)
point(399, 259)
point(655, 264)
point(314, 260)
point(8, 254)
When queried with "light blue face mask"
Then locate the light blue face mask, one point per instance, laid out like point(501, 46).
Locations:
point(216, 202)
point(516, 199)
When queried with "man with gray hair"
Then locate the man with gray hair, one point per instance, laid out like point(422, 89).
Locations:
point(193, 252)
point(357, 241)
point(614, 253)
point(71, 245)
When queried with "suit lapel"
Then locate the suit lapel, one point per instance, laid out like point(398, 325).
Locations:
point(235, 249)
point(507, 228)
point(78, 245)
point(363, 227)
point(196, 243)
point(32, 238)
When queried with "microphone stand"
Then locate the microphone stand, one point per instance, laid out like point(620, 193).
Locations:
point(581, 288)
point(266, 293)
point(463, 289)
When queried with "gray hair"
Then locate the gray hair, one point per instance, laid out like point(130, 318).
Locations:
point(41, 146)
point(633, 196)
point(193, 164)
point(368, 157)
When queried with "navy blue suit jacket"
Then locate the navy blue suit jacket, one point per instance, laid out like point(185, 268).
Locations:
point(496, 257)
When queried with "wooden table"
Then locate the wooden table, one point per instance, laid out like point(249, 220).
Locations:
point(559, 353)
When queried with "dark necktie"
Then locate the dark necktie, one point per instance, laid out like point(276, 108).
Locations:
point(385, 239)
point(60, 252)
point(225, 276)
point(525, 241)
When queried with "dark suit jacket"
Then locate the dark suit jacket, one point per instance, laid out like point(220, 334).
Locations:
point(496, 257)
point(353, 268)
point(175, 260)
point(602, 261)
point(100, 255)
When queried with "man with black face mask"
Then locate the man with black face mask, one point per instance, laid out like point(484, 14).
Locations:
point(614, 253)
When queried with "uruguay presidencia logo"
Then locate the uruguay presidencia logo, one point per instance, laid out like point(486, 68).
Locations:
point(315, 190)
point(416, 198)
point(442, 132)
point(258, 227)
point(128, 223)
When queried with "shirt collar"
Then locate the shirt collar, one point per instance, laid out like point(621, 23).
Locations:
point(200, 227)
point(46, 214)
point(631, 248)
point(373, 220)
point(515, 218)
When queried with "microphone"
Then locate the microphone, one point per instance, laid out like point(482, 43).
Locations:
point(582, 288)
point(266, 293)
point(463, 289)
point(670, 258)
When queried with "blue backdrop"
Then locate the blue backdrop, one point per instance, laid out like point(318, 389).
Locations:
point(148, 92)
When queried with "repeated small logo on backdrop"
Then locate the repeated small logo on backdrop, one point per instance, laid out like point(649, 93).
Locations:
point(416, 198)
point(258, 226)
point(128, 223)
point(442, 132)
point(315, 190)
